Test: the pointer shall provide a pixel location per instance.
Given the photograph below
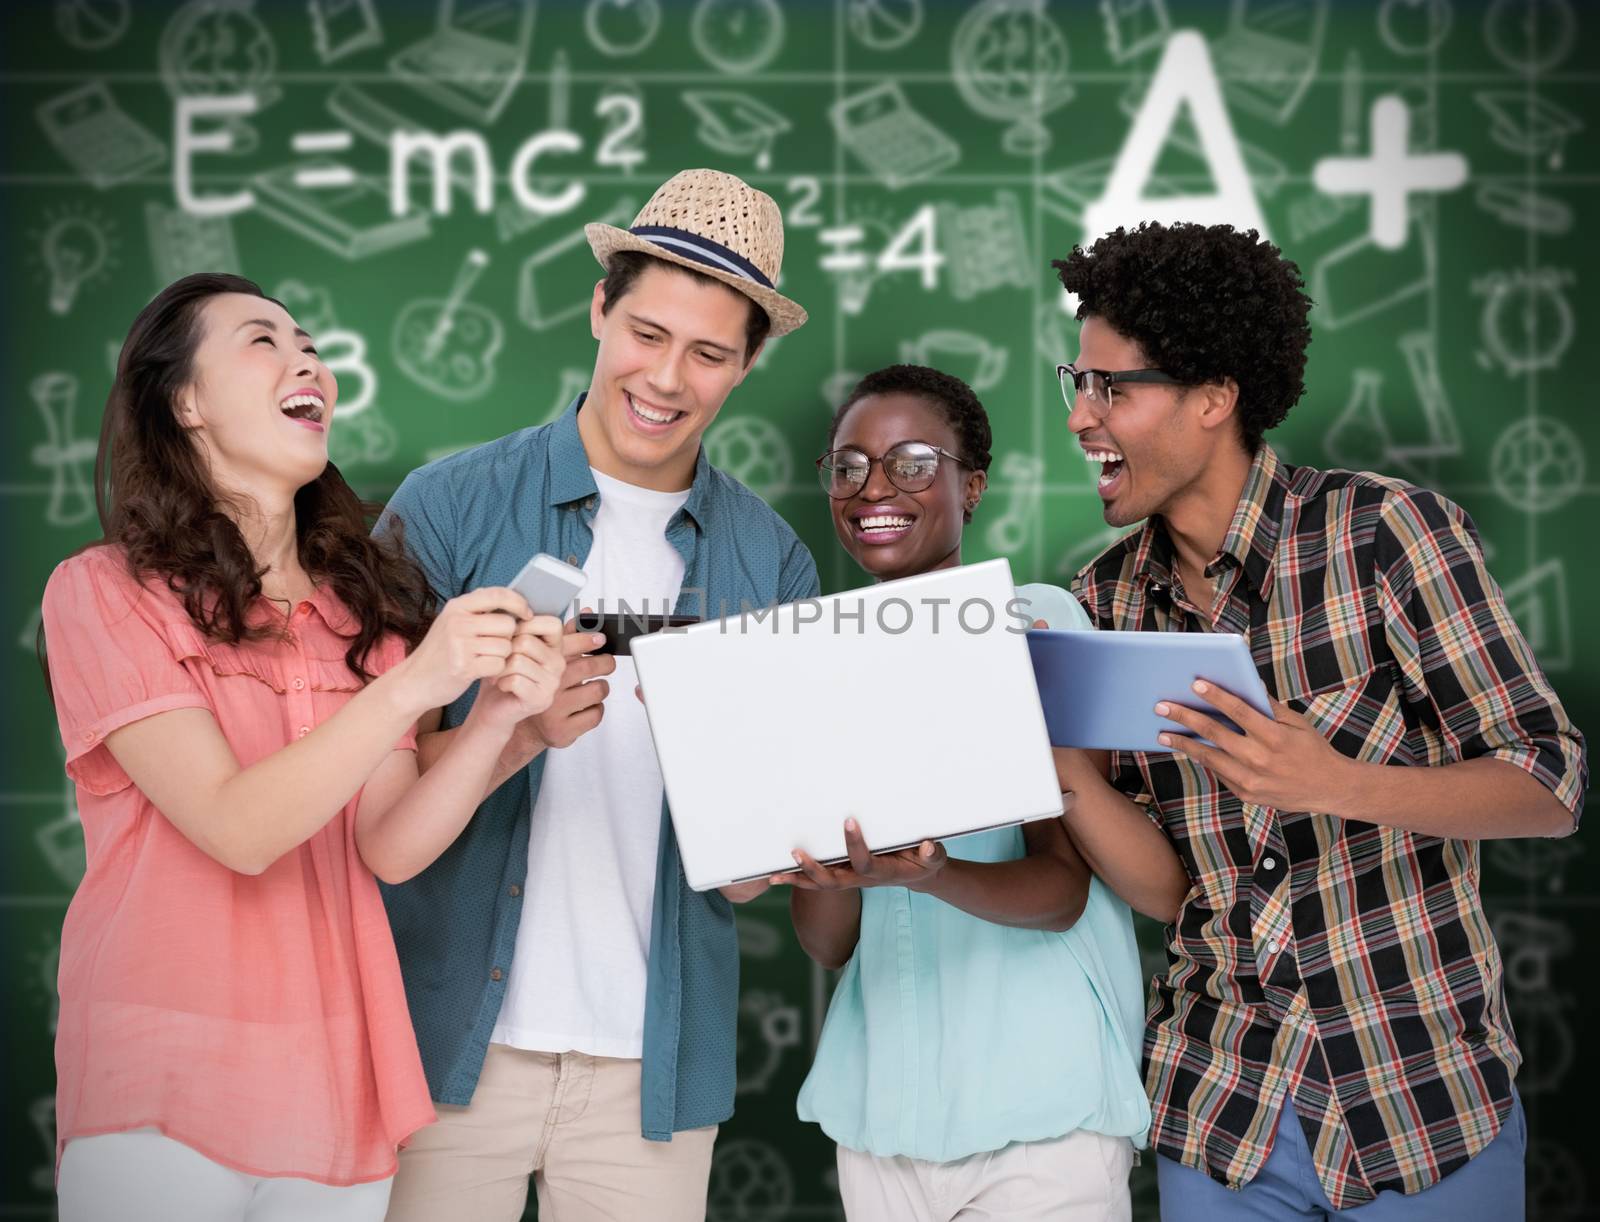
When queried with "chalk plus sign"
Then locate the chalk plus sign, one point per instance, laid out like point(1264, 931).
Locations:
point(1391, 173)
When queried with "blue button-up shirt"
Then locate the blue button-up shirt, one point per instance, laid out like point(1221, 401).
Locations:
point(473, 519)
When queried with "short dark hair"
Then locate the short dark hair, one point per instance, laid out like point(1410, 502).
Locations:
point(625, 267)
point(953, 398)
point(1204, 302)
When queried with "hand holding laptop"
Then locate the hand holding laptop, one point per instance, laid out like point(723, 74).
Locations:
point(747, 718)
point(913, 868)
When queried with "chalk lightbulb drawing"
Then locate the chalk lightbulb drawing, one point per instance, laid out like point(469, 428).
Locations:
point(76, 246)
point(74, 250)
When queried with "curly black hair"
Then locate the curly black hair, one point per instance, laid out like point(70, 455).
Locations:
point(953, 397)
point(1204, 302)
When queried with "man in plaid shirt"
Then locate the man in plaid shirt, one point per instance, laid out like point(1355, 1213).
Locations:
point(1330, 1036)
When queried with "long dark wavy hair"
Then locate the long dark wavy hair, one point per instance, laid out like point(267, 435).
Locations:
point(156, 502)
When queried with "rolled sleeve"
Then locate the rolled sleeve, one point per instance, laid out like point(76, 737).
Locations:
point(1461, 656)
point(1056, 607)
point(798, 577)
point(422, 518)
point(1128, 779)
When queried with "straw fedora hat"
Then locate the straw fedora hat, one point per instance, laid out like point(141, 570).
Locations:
point(715, 224)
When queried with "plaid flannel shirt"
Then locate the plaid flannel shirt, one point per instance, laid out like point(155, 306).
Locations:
point(1345, 967)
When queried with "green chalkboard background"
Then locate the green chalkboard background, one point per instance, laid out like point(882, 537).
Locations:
point(985, 131)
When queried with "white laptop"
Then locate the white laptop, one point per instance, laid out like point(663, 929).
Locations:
point(919, 718)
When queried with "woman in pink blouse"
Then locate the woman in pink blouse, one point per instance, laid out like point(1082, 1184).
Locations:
point(237, 669)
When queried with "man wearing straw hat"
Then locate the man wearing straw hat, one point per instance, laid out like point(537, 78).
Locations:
point(574, 1001)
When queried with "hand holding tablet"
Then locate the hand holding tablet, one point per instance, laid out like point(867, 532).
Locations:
point(1281, 759)
point(1100, 689)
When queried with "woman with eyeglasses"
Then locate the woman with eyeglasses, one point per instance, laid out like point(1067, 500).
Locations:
point(980, 1056)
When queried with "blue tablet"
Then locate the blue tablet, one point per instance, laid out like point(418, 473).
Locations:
point(1100, 689)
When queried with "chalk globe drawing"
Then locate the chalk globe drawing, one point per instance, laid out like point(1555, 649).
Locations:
point(1537, 465)
point(753, 451)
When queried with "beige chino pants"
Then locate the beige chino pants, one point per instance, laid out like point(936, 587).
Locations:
point(1082, 1177)
point(571, 1122)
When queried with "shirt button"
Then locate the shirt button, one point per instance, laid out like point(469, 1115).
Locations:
point(1269, 863)
point(299, 685)
point(304, 730)
point(515, 890)
point(572, 559)
point(1274, 946)
point(88, 736)
point(495, 973)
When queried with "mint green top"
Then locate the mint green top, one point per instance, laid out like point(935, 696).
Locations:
point(949, 1035)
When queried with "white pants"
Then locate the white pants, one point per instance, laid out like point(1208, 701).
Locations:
point(1077, 1178)
point(144, 1176)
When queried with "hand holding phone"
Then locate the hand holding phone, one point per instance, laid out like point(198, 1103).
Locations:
point(549, 585)
point(579, 704)
point(622, 627)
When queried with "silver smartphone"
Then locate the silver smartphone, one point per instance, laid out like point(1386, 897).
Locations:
point(549, 585)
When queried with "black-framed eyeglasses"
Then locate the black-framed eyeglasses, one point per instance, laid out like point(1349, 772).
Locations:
point(1095, 385)
point(910, 466)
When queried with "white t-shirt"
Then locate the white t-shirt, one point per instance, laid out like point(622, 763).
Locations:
point(583, 942)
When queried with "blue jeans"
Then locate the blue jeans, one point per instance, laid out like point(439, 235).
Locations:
point(1488, 1189)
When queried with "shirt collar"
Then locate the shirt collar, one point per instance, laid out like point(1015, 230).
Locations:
point(1152, 556)
point(570, 479)
point(330, 608)
point(1252, 538)
point(334, 613)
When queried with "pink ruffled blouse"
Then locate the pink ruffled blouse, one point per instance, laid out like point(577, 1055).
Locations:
point(259, 1020)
